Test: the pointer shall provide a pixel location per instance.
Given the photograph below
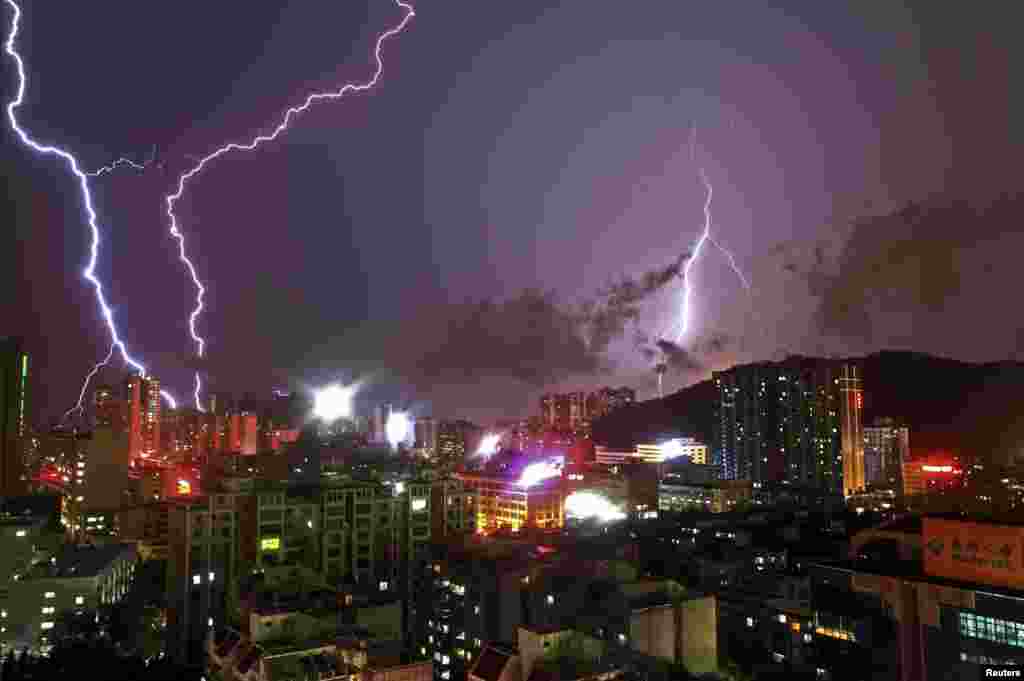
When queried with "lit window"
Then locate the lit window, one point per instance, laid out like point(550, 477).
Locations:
point(476, 609)
point(49, 594)
point(46, 625)
point(211, 576)
point(808, 638)
point(622, 638)
point(20, 533)
point(445, 659)
point(79, 600)
point(48, 609)
point(551, 599)
point(778, 657)
point(196, 579)
point(782, 619)
point(383, 586)
point(209, 622)
point(750, 622)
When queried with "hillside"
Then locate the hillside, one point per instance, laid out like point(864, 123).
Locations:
point(950, 406)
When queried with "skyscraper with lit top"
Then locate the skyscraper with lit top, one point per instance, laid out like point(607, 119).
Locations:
point(14, 378)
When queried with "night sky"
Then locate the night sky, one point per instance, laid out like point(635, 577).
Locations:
point(514, 146)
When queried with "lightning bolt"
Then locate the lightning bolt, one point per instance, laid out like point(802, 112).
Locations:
point(705, 237)
point(83, 183)
point(184, 179)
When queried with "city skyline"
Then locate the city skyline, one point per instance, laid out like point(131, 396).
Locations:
point(659, 192)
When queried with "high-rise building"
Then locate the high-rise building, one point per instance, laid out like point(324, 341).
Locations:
point(110, 410)
point(425, 431)
point(886, 449)
point(456, 440)
point(142, 395)
point(575, 411)
point(14, 377)
point(851, 429)
point(797, 421)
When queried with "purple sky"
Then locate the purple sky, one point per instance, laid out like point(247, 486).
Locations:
point(511, 145)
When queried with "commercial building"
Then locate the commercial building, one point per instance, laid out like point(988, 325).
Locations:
point(929, 475)
point(75, 578)
point(886, 449)
point(14, 396)
point(720, 496)
point(503, 503)
point(960, 605)
point(679, 450)
point(797, 421)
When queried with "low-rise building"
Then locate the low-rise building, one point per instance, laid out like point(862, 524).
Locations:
point(75, 578)
point(720, 496)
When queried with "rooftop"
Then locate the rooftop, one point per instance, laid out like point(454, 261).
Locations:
point(75, 561)
point(913, 571)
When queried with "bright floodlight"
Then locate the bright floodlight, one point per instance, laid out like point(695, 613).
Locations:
point(592, 505)
point(672, 449)
point(397, 428)
point(333, 402)
point(489, 445)
point(540, 471)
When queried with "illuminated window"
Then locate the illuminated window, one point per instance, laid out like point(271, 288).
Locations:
point(808, 638)
point(48, 610)
point(419, 505)
point(750, 622)
point(992, 629)
point(782, 619)
point(49, 594)
point(79, 600)
point(46, 625)
point(20, 533)
point(270, 544)
point(551, 599)
point(196, 579)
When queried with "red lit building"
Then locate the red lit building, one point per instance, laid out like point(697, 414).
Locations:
point(142, 397)
point(931, 474)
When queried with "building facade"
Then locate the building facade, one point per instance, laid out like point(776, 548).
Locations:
point(797, 421)
point(886, 449)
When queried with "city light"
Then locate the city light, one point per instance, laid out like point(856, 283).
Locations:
point(540, 471)
point(398, 428)
point(937, 469)
point(583, 505)
point(672, 449)
point(489, 445)
point(184, 488)
point(333, 402)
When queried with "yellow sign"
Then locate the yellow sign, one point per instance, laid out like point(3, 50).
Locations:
point(974, 552)
point(270, 544)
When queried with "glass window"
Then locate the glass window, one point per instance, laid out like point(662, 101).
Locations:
point(992, 629)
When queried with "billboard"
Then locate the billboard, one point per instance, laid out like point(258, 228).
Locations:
point(974, 552)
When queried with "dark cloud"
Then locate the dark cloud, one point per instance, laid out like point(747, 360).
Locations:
point(917, 261)
point(532, 337)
